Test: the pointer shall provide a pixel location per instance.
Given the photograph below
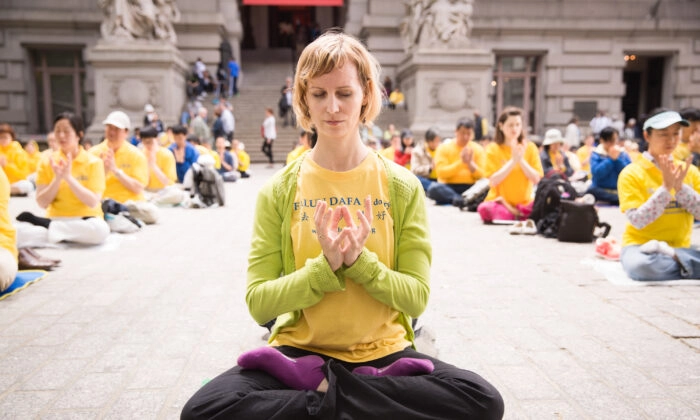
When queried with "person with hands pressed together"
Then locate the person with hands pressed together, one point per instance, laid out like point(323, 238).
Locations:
point(126, 169)
point(70, 183)
point(553, 157)
point(607, 161)
point(340, 259)
point(513, 166)
point(459, 163)
point(660, 198)
point(162, 175)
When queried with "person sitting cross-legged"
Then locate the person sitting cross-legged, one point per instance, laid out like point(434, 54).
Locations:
point(513, 166)
point(238, 149)
point(162, 177)
point(341, 283)
point(8, 237)
point(607, 161)
point(553, 156)
point(185, 153)
point(459, 163)
point(126, 169)
point(14, 161)
point(660, 197)
point(70, 183)
point(229, 161)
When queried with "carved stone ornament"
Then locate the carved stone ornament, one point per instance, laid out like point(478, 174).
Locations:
point(132, 94)
point(437, 24)
point(451, 95)
point(139, 19)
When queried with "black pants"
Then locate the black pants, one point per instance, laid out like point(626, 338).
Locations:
point(267, 149)
point(446, 393)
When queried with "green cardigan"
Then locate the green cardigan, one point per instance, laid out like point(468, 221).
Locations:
point(276, 289)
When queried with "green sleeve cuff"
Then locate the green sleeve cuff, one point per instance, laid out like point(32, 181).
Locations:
point(322, 277)
point(363, 268)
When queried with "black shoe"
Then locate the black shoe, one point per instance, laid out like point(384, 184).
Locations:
point(459, 202)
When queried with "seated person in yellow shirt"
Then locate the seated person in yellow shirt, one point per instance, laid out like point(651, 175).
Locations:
point(690, 137)
point(243, 158)
point(161, 188)
point(70, 184)
point(229, 161)
point(13, 160)
point(513, 166)
point(660, 197)
point(33, 155)
point(8, 244)
point(126, 169)
point(584, 153)
point(459, 163)
point(303, 145)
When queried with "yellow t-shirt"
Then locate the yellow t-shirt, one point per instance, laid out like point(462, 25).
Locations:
point(88, 170)
point(33, 161)
point(8, 235)
point(204, 151)
point(682, 151)
point(243, 160)
point(129, 159)
point(583, 153)
point(515, 188)
point(350, 325)
point(637, 182)
point(165, 161)
point(449, 166)
point(16, 167)
point(296, 153)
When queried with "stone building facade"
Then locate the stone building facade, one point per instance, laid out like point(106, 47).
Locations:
point(552, 57)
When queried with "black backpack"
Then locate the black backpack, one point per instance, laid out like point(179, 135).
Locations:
point(545, 210)
point(578, 221)
point(208, 185)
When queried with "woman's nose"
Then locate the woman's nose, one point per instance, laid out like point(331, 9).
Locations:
point(332, 104)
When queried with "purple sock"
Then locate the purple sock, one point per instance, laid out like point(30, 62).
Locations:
point(406, 366)
point(303, 373)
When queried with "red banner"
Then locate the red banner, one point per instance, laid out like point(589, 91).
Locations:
point(293, 2)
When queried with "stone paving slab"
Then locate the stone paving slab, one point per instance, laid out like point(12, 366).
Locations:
point(130, 329)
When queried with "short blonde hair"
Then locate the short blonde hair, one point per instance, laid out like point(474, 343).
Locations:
point(327, 53)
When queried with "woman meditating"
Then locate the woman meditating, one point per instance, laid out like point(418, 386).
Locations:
point(340, 257)
point(659, 196)
point(69, 185)
point(513, 167)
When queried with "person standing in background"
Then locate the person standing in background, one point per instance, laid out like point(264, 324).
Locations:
point(269, 132)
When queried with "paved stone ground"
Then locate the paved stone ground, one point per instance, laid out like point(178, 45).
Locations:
point(131, 329)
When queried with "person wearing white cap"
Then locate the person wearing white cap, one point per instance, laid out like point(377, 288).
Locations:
point(126, 169)
point(552, 157)
point(660, 198)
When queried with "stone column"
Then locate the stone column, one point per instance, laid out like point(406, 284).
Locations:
point(129, 75)
point(444, 85)
point(444, 76)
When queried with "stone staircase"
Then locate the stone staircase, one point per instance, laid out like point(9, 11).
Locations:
point(263, 74)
